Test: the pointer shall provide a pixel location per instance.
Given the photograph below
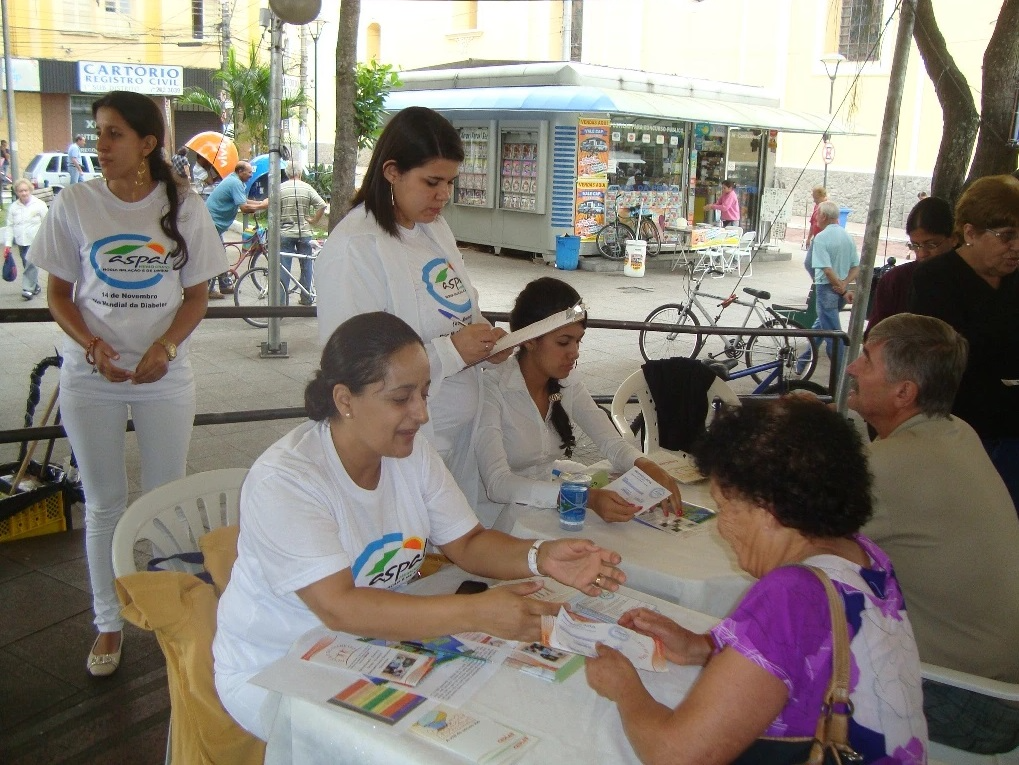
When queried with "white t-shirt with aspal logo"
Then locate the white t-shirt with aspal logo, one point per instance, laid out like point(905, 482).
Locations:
point(118, 258)
point(445, 305)
point(303, 519)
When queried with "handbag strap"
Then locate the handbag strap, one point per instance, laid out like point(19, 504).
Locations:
point(833, 726)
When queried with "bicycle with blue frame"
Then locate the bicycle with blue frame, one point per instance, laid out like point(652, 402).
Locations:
point(762, 354)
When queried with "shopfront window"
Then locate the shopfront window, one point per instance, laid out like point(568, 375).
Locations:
point(646, 155)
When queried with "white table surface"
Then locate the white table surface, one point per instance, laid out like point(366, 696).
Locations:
point(697, 570)
point(573, 723)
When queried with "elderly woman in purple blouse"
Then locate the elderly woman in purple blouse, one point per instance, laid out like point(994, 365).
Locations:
point(796, 490)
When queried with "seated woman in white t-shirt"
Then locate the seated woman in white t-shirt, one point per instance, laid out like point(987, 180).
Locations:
point(530, 407)
point(335, 517)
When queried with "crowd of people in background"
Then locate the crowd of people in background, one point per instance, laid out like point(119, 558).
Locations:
point(418, 429)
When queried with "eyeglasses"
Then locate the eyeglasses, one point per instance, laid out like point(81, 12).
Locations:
point(929, 246)
point(1006, 237)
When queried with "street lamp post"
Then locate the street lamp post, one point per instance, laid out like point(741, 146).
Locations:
point(315, 29)
point(831, 63)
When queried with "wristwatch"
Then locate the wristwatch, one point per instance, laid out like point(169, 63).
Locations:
point(171, 348)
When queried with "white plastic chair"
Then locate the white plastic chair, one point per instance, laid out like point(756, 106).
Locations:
point(173, 517)
point(635, 384)
point(993, 688)
point(176, 514)
point(734, 256)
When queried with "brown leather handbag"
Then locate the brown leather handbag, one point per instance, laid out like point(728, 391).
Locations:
point(830, 745)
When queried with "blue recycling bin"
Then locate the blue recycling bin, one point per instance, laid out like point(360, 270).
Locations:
point(567, 252)
point(844, 215)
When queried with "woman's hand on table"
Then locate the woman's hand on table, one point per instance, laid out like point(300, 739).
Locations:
point(610, 507)
point(610, 674)
point(680, 645)
point(153, 366)
point(674, 503)
point(508, 613)
point(582, 564)
point(474, 342)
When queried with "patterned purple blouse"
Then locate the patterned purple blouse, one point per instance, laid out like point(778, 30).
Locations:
point(784, 626)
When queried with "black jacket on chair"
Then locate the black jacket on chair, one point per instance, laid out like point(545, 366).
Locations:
point(679, 387)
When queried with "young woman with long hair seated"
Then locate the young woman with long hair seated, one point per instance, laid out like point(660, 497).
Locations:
point(530, 406)
point(335, 517)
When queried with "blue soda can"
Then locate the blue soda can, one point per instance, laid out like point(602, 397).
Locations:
point(573, 500)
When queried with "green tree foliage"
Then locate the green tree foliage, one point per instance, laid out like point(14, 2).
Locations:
point(247, 87)
point(374, 82)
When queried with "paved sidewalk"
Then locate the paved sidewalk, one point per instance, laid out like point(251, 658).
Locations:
point(231, 376)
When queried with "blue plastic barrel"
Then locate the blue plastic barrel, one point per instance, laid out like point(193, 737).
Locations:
point(567, 252)
point(844, 215)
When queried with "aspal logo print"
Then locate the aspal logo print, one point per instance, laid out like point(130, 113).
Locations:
point(388, 561)
point(445, 286)
point(130, 261)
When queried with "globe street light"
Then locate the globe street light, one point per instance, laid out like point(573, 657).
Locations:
point(315, 30)
point(831, 63)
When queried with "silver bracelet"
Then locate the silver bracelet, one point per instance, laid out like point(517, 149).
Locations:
point(532, 556)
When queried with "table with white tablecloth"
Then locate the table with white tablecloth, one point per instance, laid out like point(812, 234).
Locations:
point(571, 722)
point(696, 569)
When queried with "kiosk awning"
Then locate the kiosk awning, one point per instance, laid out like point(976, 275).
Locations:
point(592, 100)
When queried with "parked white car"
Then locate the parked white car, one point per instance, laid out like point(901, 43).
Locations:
point(52, 169)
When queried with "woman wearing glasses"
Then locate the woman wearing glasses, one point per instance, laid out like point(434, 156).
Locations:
point(975, 288)
point(930, 228)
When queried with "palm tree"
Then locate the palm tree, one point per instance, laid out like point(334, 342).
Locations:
point(247, 87)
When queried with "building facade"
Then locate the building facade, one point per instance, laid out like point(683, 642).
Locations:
point(67, 52)
point(777, 45)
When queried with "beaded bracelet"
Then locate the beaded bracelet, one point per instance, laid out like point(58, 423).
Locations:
point(90, 351)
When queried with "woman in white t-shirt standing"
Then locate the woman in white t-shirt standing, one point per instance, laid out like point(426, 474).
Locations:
point(393, 252)
point(335, 517)
point(128, 257)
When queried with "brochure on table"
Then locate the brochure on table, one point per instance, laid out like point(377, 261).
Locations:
point(318, 668)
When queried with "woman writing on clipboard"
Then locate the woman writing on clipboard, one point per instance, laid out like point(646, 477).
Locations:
point(393, 252)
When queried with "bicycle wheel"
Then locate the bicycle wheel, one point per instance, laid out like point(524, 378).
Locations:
point(649, 233)
point(252, 291)
point(763, 349)
point(611, 240)
point(664, 345)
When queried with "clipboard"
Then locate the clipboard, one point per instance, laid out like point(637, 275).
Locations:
point(549, 324)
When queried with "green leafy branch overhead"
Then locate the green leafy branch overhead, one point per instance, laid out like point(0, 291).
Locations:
point(374, 82)
point(247, 87)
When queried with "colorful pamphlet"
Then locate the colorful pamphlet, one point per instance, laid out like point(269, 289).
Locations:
point(573, 633)
point(378, 699)
point(475, 738)
point(377, 661)
point(545, 662)
point(691, 520)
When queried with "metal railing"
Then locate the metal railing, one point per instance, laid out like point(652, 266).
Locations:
point(37, 315)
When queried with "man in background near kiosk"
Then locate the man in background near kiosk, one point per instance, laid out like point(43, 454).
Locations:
point(944, 516)
point(836, 262)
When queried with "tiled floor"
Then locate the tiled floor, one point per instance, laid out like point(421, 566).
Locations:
point(50, 710)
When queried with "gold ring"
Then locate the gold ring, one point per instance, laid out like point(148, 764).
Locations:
point(597, 581)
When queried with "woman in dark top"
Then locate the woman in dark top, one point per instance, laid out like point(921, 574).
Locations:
point(930, 228)
point(975, 288)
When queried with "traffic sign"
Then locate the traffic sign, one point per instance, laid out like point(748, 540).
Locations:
point(828, 153)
